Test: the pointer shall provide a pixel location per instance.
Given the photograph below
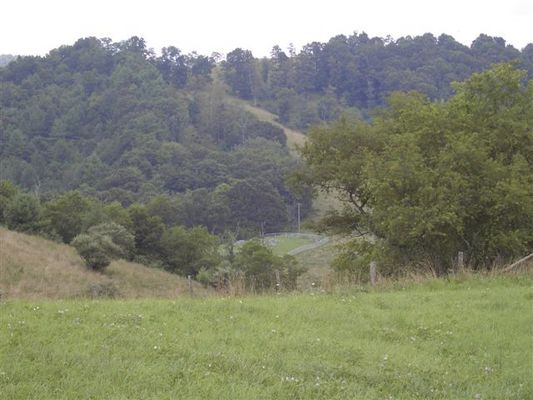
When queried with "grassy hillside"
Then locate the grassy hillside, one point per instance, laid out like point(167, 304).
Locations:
point(294, 138)
point(32, 268)
point(457, 339)
point(317, 263)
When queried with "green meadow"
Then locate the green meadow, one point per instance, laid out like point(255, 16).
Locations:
point(282, 245)
point(468, 338)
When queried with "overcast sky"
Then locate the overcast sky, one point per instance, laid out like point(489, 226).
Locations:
point(37, 26)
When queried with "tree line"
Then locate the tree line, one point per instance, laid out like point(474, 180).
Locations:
point(150, 234)
point(354, 74)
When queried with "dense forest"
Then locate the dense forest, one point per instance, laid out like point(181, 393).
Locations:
point(120, 124)
point(6, 59)
point(102, 132)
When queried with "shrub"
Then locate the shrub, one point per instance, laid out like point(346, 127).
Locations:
point(103, 290)
point(187, 251)
point(22, 213)
point(67, 214)
point(124, 240)
point(7, 192)
point(97, 250)
point(264, 270)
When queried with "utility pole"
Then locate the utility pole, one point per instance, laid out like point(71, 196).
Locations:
point(299, 217)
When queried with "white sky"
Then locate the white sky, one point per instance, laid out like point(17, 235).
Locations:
point(37, 26)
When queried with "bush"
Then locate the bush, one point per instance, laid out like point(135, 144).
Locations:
point(124, 241)
point(22, 213)
point(264, 270)
point(97, 250)
point(187, 251)
point(67, 214)
point(7, 192)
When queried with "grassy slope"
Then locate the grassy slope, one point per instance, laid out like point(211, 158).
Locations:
point(32, 267)
point(317, 263)
point(441, 340)
point(294, 138)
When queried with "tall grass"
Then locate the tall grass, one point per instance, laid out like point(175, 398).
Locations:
point(33, 267)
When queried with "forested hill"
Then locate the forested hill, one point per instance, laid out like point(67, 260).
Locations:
point(6, 59)
point(121, 124)
point(358, 72)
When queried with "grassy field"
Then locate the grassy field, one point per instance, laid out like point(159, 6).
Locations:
point(460, 339)
point(281, 245)
point(317, 263)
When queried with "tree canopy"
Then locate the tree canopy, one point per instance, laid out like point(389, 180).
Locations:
point(427, 179)
point(355, 72)
point(118, 123)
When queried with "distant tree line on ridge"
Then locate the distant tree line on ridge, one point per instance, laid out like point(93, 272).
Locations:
point(354, 74)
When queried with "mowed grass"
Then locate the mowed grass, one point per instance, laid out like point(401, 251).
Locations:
point(456, 339)
point(281, 245)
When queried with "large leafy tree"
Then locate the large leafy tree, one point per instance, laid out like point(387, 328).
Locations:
point(427, 179)
point(68, 214)
point(186, 251)
point(239, 72)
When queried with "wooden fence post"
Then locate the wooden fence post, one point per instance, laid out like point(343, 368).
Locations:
point(460, 260)
point(189, 279)
point(373, 273)
point(278, 281)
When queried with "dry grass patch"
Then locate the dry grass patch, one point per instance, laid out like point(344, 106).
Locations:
point(34, 268)
point(137, 281)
